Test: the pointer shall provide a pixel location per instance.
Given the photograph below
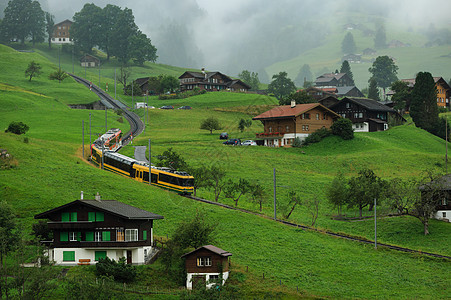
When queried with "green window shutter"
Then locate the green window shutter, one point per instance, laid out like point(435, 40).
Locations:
point(79, 236)
point(89, 236)
point(64, 236)
point(91, 216)
point(99, 217)
point(106, 236)
point(68, 255)
point(73, 217)
point(65, 217)
point(99, 254)
point(145, 235)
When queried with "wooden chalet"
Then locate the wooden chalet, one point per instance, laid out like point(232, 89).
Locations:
point(86, 230)
point(349, 91)
point(211, 81)
point(442, 192)
point(443, 90)
point(283, 124)
point(89, 61)
point(328, 101)
point(206, 266)
point(61, 34)
point(319, 93)
point(333, 80)
point(367, 115)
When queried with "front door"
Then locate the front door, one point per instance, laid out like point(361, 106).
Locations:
point(199, 282)
point(129, 256)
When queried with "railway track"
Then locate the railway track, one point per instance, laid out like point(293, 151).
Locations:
point(327, 232)
point(136, 125)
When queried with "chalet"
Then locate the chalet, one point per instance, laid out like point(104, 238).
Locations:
point(349, 91)
point(211, 81)
point(318, 93)
point(283, 124)
point(333, 80)
point(61, 33)
point(86, 230)
point(352, 58)
point(367, 115)
point(207, 266)
point(442, 187)
point(443, 90)
point(328, 101)
point(89, 61)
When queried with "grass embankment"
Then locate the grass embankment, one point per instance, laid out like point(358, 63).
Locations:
point(51, 172)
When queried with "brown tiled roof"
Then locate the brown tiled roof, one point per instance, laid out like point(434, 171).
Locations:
point(213, 249)
point(286, 111)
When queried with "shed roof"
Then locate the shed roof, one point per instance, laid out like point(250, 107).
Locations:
point(211, 248)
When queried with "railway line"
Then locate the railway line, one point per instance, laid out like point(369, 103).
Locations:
point(136, 125)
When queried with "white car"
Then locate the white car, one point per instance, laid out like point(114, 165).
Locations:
point(249, 143)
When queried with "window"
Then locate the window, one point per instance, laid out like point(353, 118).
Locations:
point(74, 236)
point(444, 214)
point(131, 235)
point(204, 261)
point(99, 254)
point(69, 217)
point(145, 235)
point(305, 127)
point(287, 128)
point(348, 105)
point(213, 277)
point(68, 255)
point(270, 129)
point(106, 236)
point(98, 236)
point(324, 116)
point(96, 216)
point(89, 236)
point(120, 235)
point(317, 116)
point(64, 236)
point(305, 116)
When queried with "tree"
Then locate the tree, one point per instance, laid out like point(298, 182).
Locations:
point(142, 49)
point(59, 75)
point(243, 124)
point(201, 176)
point(401, 97)
point(210, 124)
point(217, 175)
point(304, 77)
point(17, 21)
point(423, 107)
point(380, 39)
point(293, 201)
point(300, 97)
point(401, 194)
point(258, 194)
point(337, 192)
point(171, 159)
point(343, 128)
point(120, 270)
point(348, 45)
point(17, 128)
point(312, 206)
point(373, 91)
point(281, 85)
point(124, 75)
point(136, 89)
point(49, 23)
point(363, 189)
point(33, 70)
point(9, 238)
point(37, 23)
point(346, 68)
point(234, 190)
point(86, 30)
point(169, 83)
point(110, 13)
point(384, 72)
point(121, 36)
point(250, 79)
point(195, 231)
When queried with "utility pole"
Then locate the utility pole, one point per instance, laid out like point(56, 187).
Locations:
point(90, 141)
point(106, 126)
point(150, 162)
point(59, 58)
point(133, 103)
point(85, 66)
point(73, 60)
point(147, 108)
point(375, 225)
point(103, 146)
point(114, 83)
point(274, 178)
point(99, 72)
point(83, 137)
point(446, 145)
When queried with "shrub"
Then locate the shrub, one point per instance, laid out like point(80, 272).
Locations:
point(343, 128)
point(316, 136)
point(296, 143)
point(17, 128)
point(121, 271)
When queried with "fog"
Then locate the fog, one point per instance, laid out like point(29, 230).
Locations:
point(233, 35)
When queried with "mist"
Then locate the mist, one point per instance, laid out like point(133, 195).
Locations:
point(236, 35)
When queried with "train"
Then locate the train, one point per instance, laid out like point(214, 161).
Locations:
point(173, 180)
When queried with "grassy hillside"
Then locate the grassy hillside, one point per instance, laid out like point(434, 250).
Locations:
point(410, 60)
point(51, 172)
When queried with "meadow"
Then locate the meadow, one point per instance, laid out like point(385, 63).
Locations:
point(51, 171)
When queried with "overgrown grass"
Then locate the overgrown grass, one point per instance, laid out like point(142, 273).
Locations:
point(51, 172)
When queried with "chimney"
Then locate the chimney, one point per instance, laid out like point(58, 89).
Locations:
point(98, 197)
point(81, 195)
point(293, 103)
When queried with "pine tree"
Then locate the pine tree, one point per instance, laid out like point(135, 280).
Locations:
point(380, 39)
point(423, 107)
point(348, 45)
point(346, 68)
point(373, 91)
point(305, 75)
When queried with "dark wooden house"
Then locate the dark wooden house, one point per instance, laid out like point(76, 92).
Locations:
point(86, 230)
point(441, 189)
point(61, 33)
point(211, 81)
point(89, 61)
point(328, 101)
point(207, 266)
point(333, 79)
point(367, 115)
point(349, 91)
point(319, 93)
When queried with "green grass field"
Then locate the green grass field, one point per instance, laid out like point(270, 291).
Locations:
point(51, 172)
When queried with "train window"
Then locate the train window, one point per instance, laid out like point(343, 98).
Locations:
point(153, 178)
point(146, 176)
point(169, 179)
point(189, 182)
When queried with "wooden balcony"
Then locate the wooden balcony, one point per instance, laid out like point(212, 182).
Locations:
point(269, 135)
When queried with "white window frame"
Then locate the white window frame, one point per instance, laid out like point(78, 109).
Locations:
point(72, 236)
point(97, 236)
point(131, 235)
point(204, 261)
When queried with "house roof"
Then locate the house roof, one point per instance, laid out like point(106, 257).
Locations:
point(111, 206)
point(411, 82)
point(211, 248)
point(65, 21)
point(343, 90)
point(443, 183)
point(286, 111)
point(369, 104)
point(89, 56)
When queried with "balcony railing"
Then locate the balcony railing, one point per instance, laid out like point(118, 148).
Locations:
point(269, 134)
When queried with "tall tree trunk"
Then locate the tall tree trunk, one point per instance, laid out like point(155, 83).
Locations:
point(426, 227)
point(360, 211)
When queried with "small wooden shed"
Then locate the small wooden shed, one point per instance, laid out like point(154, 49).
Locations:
point(89, 61)
point(206, 266)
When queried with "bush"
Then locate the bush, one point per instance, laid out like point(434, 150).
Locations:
point(17, 128)
point(316, 136)
point(343, 128)
point(296, 143)
point(121, 271)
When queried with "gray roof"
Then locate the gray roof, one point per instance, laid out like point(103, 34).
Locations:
point(213, 249)
point(442, 183)
point(111, 206)
point(369, 104)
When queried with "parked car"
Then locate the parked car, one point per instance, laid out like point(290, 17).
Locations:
point(224, 136)
point(167, 107)
point(249, 143)
point(235, 142)
point(185, 107)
